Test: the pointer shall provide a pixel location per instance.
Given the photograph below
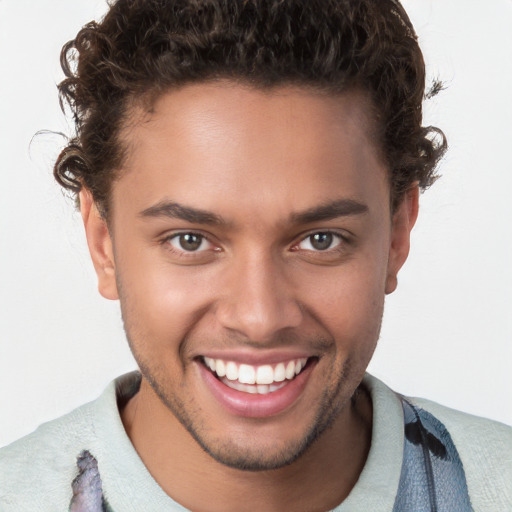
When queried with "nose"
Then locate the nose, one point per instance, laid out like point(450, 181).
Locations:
point(259, 299)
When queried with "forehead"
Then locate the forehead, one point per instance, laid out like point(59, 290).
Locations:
point(288, 147)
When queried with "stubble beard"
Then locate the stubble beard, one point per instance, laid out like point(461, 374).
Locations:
point(243, 458)
point(331, 404)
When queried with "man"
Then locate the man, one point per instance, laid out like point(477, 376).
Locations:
point(248, 176)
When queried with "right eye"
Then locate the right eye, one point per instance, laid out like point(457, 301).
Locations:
point(189, 242)
point(320, 241)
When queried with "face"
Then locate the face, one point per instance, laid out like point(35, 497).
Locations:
point(251, 244)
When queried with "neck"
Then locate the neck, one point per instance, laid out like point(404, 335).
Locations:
point(319, 480)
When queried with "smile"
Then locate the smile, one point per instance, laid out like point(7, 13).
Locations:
point(261, 379)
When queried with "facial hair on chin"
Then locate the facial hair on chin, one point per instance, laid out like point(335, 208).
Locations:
point(228, 453)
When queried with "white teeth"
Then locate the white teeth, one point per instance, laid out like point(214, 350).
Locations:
point(231, 370)
point(246, 374)
point(255, 379)
point(265, 374)
point(279, 373)
point(290, 370)
point(246, 388)
point(263, 389)
point(299, 365)
point(220, 368)
point(275, 387)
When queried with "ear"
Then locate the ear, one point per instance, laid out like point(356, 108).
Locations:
point(403, 221)
point(100, 245)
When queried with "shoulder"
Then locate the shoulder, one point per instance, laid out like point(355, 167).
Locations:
point(484, 446)
point(37, 470)
point(485, 449)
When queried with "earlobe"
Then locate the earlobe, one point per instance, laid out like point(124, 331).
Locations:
point(403, 221)
point(100, 245)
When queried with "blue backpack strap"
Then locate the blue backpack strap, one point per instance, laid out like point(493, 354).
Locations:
point(432, 477)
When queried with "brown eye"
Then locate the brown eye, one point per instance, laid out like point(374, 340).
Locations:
point(321, 241)
point(189, 242)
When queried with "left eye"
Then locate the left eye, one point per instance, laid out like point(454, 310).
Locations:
point(189, 242)
point(321, 241)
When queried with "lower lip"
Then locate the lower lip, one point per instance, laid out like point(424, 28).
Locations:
point(256, 405)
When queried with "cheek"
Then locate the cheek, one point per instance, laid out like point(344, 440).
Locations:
point(160, 302)
point(348, 301)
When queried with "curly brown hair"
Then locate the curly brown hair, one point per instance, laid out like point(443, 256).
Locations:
point(143, 48)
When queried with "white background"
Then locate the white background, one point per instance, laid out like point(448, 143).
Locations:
point(447, 333)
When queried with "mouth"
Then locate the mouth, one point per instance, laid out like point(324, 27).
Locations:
point(255, 379)
point(252, 390)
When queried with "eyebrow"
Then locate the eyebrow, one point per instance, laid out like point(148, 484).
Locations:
point(178, 211)
point(332, 210)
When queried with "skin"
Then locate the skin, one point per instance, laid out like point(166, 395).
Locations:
point(256, 286)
